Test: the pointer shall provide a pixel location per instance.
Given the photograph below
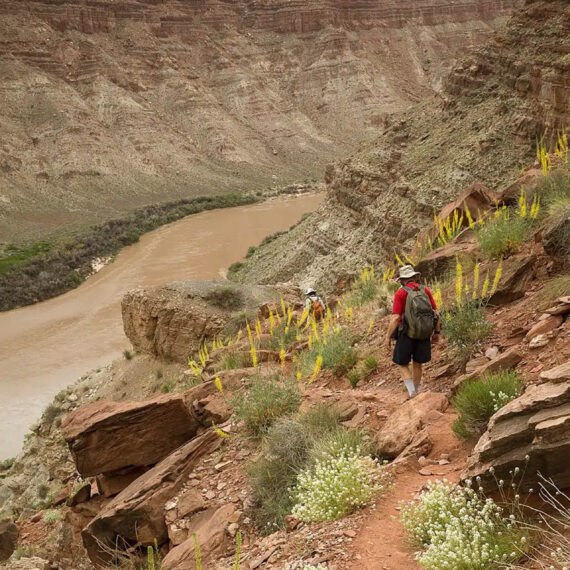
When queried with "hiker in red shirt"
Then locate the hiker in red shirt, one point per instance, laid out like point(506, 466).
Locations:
point(415, 325)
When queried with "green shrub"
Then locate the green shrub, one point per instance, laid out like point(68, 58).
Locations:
point(557, 287)
point(371, 363)
point(266, 399)
point(232, 360)
point(457, 528)
point(353, 377)
point(234, 268)
point(6, 464)
point(477, 401)
point(337, 484)
point(338, 354)
point(226, 297)
point(362, 370)
point(128, 354)
point(503, 235)
point(466, 328)
point(250, 251)
point(167, 386)
point(283, 337)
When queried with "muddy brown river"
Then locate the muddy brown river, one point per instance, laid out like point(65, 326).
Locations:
point(47, 346)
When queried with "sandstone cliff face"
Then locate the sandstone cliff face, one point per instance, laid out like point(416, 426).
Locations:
point(111, 104)
point(172, 322)
point(481, 128)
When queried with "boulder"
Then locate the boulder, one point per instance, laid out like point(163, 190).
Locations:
point(171, 321)
point(113, 482)
point(545, 325)
point(531, 432)
point(8, 539)
point(108, 436)
point(210, 529)
point(440, 260)
point(102, 435)
point(403, 425)
point(135, 517)
point(557, 374)
point(556, 237)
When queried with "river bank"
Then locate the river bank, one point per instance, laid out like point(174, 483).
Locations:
point(47, 346)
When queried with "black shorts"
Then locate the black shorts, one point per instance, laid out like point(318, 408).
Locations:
point(408, 349)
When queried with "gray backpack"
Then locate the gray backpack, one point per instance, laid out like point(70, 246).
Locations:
point(419, 322)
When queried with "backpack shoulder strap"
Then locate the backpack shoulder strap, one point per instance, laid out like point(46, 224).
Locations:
point(406, 288)
point(422, 288)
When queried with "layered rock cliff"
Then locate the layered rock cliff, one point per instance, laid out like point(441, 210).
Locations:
point(108, 104)
point(482, 127)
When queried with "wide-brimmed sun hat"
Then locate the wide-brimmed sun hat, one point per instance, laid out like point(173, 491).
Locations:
point(310, 291)
point(406, 272)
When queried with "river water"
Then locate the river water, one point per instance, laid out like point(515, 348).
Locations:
point(47, 346)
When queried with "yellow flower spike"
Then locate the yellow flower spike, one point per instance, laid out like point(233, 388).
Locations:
point(497, 277)
point(289, 316)
point(271, 319)
point(310, 342)
point(522, 204)
point(283, 307)
point(467, 289)
point(282, 357)
point(329, 314)
point(315, 330)
point(304, 317)
point(218, 384)
point(239, 334)
point(370, 326)
point(468, 215)
point(458, 282)
point(298, 375)
point(350, 314)
point(475, 280)
point(399, 261)
point(249, 336)
point(438, 297)
point(253, 355)
point(485, 286)
point(317, 369)
point(220, 432)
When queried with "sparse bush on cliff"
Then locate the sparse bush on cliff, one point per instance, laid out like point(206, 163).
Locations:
point(557, 287)
point(128, 354)
point(232, 360)
point(477, 401)
point(52, 516)
point(366, 288)
point(466, 328)
point(362, 370)
point(457, 528)
point(265, 399)
point(226, 297)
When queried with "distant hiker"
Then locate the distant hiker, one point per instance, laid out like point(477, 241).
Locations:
point(415, 324)
point(314, 304)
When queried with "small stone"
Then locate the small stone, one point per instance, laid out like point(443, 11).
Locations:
point(492, 352)
point(350, 533)
point(426, 472)
point(444, 456)
point(221, 465)
point(221, 486)
point(72, 397)
point(232, 529)
point(210, 495)
point(443, 462)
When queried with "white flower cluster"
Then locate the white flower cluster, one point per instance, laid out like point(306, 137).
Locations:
point(459, 528)
point(336, 485)
point(499, 400)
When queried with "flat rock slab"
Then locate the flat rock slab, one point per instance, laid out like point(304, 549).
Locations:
point(136, 516)
point(403, 425)
point(557, 374)
point(108, 436)
point(545, 325)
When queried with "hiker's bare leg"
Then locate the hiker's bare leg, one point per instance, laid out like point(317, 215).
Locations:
point(417, 375)
point(406, 375)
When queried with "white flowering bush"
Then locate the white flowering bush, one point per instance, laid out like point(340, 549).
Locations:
point(459, 529)
point(337, 484)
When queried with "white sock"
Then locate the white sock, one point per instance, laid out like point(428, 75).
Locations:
point(410, 386)
point(417, 387)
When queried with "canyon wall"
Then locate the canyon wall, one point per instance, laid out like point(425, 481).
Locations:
point(482, 127)
point(111, 104)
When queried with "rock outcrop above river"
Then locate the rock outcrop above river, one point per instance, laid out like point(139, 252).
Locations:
point(492, 107)
point(172, 322)
point(109, 105)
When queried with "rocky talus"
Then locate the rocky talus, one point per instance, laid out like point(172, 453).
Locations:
point(492, 107)
point(107, 105)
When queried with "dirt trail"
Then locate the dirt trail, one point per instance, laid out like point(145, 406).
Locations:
point(381, 543)
point(47, 346)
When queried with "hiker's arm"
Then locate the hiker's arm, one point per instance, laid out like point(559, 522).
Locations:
point(394, 321)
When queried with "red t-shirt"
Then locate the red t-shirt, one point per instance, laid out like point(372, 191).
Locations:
point(400, 299)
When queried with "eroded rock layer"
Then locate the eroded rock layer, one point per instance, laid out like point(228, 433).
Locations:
point(110, 104)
